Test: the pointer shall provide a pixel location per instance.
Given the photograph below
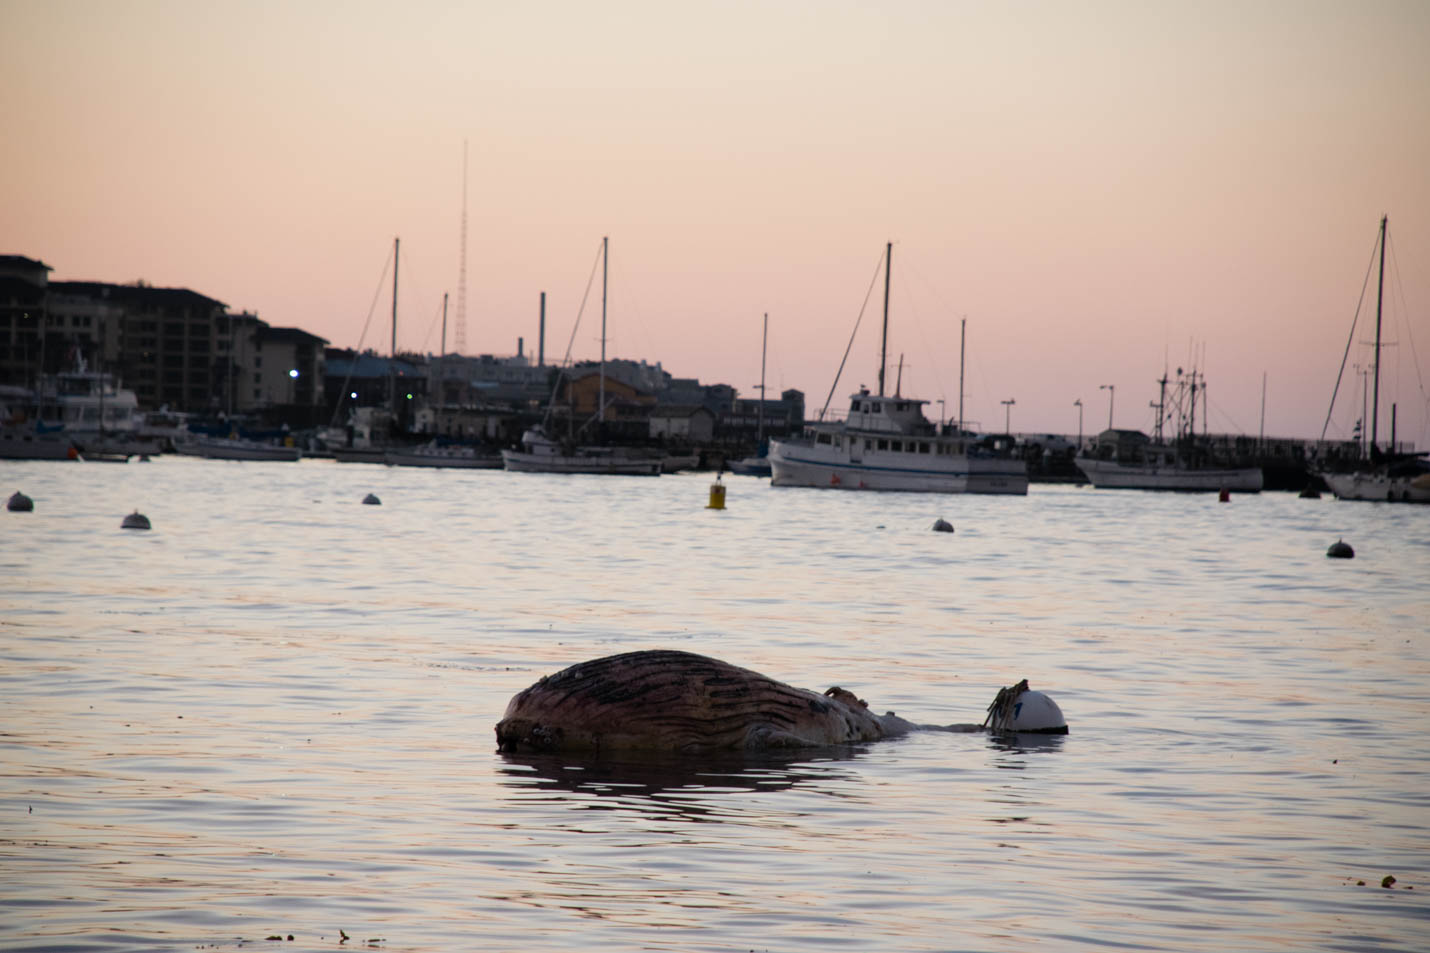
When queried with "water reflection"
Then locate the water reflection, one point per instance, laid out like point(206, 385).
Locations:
point(1025, 744)
point(690, 786)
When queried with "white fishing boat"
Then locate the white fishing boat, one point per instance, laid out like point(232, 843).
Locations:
point(1131, 460)
point(1160, 469)
point(1387, 476)
point(886, 443)
point(541, 454)
point(439, 457)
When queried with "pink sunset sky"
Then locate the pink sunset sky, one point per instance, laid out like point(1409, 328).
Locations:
point(1103, 189)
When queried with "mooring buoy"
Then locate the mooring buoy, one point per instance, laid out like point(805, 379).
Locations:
point(942, 525)
point(717, 495)
point(135, 520)
point(372, 500)
point(19, 503)
point(1224, 496)
point(1341, 549)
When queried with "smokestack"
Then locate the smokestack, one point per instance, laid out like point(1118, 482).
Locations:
point(541, 341)
point(520, 345)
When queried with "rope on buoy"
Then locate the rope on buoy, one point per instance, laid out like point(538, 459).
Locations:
point(1000, 713)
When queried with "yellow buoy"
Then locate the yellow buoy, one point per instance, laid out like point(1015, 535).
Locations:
point(717, 496)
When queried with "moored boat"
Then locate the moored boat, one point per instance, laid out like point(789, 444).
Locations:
point(1131, 460)
point(25, 441)
point(439, 457)
point(1160, 469)
point(1387, 476)
point(236, 448)
point(1406, 481)
point(541, 454)
point(886, 443)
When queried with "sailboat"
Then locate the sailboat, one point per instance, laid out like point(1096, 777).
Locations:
point(1388, 476)
point(886, 443)
point(367, 451)
point(542, 453)
point(759, 464)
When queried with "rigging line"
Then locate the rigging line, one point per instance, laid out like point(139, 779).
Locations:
point(566, 361)
point(1229, 419)
point(1405, 311)
point(357, 352)
point(823, 410)
point(923, 332)
point(427, 338)
point(1350, 339)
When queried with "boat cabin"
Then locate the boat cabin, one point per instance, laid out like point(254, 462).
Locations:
point(901, 415)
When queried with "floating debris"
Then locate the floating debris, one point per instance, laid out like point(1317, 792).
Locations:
point(1341, 549)
point(20, 503)
point(942, 526)
point(135, 520)
point(1387, 881)
point(372, 500)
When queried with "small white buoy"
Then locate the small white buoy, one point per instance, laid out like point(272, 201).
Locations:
point(1341, 549)
point(942, 526)
point(20, 503)
point(372, 500)
point(135, 520)
point(1036, 712)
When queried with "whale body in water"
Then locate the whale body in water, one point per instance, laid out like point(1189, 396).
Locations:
point(680, 702)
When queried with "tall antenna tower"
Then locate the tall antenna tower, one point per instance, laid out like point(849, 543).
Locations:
point(459, 335)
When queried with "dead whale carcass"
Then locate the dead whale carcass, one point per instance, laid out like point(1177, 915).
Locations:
point(680, 702)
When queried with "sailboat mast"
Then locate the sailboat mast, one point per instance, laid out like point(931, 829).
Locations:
point(601, 399)
point(764, 342)
point(962, 338)
point(884, 343)
point(1379, 297)
point(392, 364)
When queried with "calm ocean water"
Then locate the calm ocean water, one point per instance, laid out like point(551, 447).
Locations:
point(272, 715)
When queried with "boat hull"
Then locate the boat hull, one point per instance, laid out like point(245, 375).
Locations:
point(1379, 487)
point(17, 443)
point(801, 463)
point(614, 465)
point(750, 466)
point(240, 450)
point(1111, 475)
point(442, 460)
